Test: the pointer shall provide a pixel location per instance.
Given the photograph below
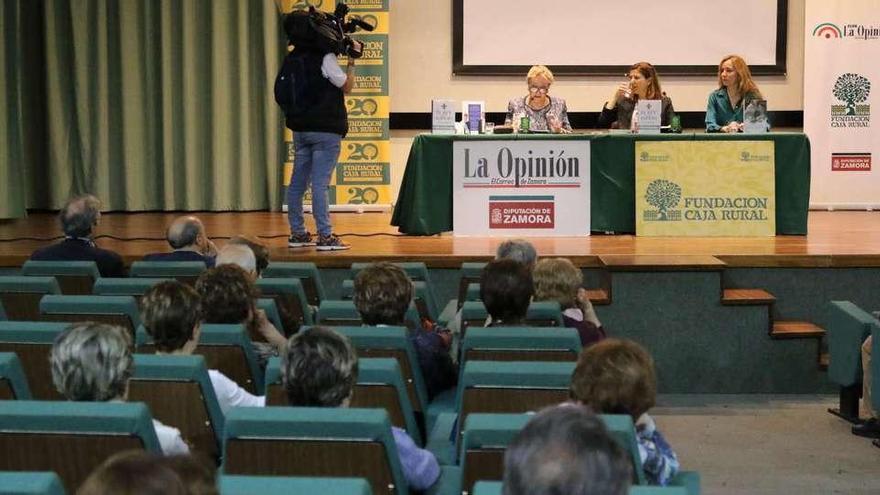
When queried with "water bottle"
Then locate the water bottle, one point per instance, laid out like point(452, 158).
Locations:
point(634, 122)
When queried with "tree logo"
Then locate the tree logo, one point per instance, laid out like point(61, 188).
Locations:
point(851, 89)
point(663, 195)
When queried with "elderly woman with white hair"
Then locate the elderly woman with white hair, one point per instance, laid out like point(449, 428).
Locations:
point(93, 362)
point(546, 113)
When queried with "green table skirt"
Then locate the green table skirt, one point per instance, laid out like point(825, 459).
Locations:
point(424, 204)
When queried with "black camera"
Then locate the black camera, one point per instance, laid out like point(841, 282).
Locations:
point(325, 32)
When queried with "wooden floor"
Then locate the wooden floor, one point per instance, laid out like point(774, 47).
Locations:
point(836, 239)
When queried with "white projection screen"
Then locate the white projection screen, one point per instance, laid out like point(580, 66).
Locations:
point(680, 37)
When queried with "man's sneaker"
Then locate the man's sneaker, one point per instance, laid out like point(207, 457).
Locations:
point(300, 240)
point(331, 243)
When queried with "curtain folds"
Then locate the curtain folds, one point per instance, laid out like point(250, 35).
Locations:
point(149, 104)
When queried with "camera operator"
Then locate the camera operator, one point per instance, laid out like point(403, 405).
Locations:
point(319, 121)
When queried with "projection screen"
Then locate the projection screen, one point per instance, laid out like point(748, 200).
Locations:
point(684, 37)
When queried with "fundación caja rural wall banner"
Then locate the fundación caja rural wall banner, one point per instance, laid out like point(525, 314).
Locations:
point(705, 188)
point(521, 188)
point(363, 175)
point(841, 78)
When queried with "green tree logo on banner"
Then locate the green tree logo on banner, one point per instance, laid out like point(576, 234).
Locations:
point(851, 89)
point(663, 195)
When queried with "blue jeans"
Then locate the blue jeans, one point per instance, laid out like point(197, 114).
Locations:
point(315, 158)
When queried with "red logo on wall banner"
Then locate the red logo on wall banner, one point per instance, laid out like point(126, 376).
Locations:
point(847, 162)
point(522, 214)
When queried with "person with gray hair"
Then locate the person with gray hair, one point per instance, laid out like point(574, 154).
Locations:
point(518, 250)
point(319, 368)
point(92, 362)
point(565, 449)
point(241, 255)
point(186, 235)
point(78, 218)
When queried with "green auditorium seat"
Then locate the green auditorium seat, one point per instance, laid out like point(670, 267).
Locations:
point(520, 344)
point(511, 387)
point(281, 485)
point(74, 277)
point(135, 287)
point(658, 490)
point(344, 313)
point(226, 348)
point(392, 342)
point(178, 391)
point(306, 272)
point(469, 274)
point(31, 342)
point(268, 305)
point(473, 292)
point(13, 384)
point(380, 385)
point(326, 442)
point(423, 298)
point(113, 310)
point(71, 438)
point(30, 483)
point(487, 488)
point(290, 297)
point(847, 326)
point(20, 296)
point(540, 314)
point(186, 272)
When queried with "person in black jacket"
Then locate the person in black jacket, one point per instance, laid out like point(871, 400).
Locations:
point(79, 216)
point(319, 121)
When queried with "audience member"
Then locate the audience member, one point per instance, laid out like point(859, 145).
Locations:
point(565, 450)
point(133, 472)
point(506, 289)
point(617, 377)
point(79, 217)
point(518, 250)
point(241, 255)
point(870, 428)
point(557, 279)
point(229, 296)
point(197, 472)
point(172, 313)
point(92, 362)
point(261, 252)
point(319, 369)
point(186, 236)
point(382, 295)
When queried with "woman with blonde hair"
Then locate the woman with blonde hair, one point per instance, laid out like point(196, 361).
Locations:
point(724, 111)
point(557, 279)
point(643, 84)
point(546, 113)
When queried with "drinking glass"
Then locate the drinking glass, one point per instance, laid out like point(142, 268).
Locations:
point(490, 128)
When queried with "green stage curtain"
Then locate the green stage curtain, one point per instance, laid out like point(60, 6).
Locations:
point(148, 104)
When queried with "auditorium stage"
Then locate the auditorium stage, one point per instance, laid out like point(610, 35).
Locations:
point(835, 239)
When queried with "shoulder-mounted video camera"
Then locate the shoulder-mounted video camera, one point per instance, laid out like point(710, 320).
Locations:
point(314, 29)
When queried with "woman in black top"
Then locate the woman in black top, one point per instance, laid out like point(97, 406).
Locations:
point(643, 84)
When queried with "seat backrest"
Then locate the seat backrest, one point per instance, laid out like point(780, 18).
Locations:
point(31, 342)
point(392, 342)
point(511, 387)
point(114, 310)
point(79, 436)
point(178, 391)
point(657, 490)
point(74, 277)
point(31, 483)
point(306, 272)
point(135, 287)
point(13, 384)
point(332, 442)
point(248, 485)
point(186, 272)
point(291, 299)
point(380, 385)
point(338, 313)
point(521, 344)
point(268, 305)
point(20, 296)
point(469, 274)
point(540, 314)
point(846, 326)
point(226, 348)
point(485, 438)
point(487, 488)
point(623, 430)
